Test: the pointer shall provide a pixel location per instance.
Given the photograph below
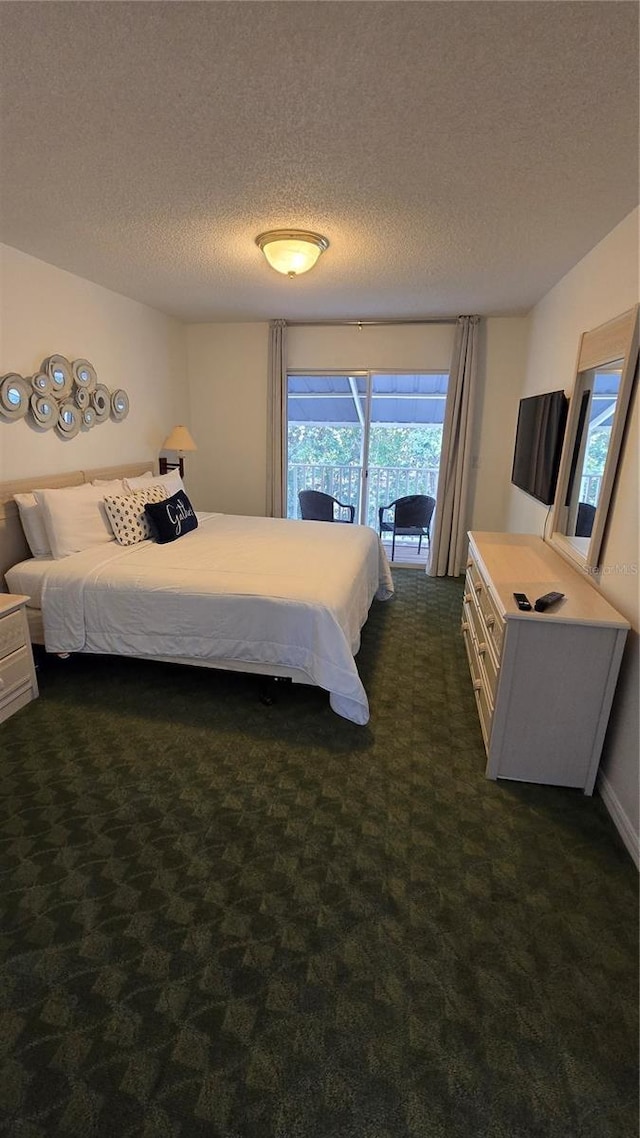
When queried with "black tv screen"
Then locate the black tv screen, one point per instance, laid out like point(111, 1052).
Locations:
point(539, 435)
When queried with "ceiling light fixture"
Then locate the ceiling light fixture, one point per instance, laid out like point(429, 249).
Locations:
point(291, 251)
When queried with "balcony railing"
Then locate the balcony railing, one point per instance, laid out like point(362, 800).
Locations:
point(385, 484)
point(590, 488)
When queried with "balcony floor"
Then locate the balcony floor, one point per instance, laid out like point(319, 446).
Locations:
point(406, 552)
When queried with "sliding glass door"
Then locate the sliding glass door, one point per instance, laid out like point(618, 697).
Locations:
point(326, 437)
point(366, 438)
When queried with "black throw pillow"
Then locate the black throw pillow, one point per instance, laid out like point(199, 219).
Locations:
point(172, 518)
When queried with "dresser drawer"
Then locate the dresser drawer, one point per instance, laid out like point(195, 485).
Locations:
point(12, 633)
point(15, 673)
point(489, 670)
point(494, 623)
point(473, 579)
point(471, 613)
point(493, 620)
point(481, 692)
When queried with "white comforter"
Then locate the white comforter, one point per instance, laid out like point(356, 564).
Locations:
point(251, 590)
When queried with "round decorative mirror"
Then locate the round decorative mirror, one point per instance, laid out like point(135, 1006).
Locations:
point(119, 405)
point(89, 417)
point(82, 397)
point(102, 402)
point(58, 369)
point(14, 396)
point(44, 410)
point(84, 374)
point(41, 382)
point(69, 420)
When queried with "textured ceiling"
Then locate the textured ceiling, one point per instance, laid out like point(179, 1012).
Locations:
point(460, 157)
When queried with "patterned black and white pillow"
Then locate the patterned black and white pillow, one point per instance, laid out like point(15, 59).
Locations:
point(126, 514)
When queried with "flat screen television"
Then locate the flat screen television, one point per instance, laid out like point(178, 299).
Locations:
point(539, 435)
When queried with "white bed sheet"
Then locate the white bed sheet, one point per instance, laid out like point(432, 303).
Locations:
point(27, 578)
point(254, 590)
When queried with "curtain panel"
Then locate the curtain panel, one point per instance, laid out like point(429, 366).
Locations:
point(449, 539)
point(276, 427)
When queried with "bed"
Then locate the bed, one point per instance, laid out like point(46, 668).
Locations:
point(273, 596)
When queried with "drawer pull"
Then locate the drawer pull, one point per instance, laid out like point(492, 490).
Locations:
point(478, 587)
point(467, 598)
point(490, 621)
point(469, 563)
point(477, 685)
point(465, 626)
point(482, 648)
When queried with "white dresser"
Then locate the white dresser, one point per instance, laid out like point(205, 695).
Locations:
point(18, 684)
point(543, 682)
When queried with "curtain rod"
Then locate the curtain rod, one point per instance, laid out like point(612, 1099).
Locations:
point(362, 323)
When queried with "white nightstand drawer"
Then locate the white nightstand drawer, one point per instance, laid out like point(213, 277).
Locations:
point(15, 673)
point(12, 633)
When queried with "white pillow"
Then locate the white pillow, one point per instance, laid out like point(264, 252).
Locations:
point(111, 485)
point(33, 525)
point(74, 518)
point(139, 480)
point(170, 482)
point(126, 513)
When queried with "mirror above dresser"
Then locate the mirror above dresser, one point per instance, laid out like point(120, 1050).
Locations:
point(605, 376)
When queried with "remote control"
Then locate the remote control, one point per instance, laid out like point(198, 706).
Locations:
point(522, 601)
point(545, 602)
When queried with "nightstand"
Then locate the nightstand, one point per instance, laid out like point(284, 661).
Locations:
point(18, 684)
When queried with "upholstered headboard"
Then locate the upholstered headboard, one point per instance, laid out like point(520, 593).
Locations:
point(13, 545)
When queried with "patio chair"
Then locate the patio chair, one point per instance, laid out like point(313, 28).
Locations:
point(584, 519)
point(411, 518)
point(318, 507)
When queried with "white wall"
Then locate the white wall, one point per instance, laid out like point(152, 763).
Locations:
point(227, 365)
point(404, 347)
point(503, 359)
point(45, 311)
point(601, 286)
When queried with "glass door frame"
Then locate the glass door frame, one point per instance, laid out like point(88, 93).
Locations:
point(338, 373)
point(342, 373)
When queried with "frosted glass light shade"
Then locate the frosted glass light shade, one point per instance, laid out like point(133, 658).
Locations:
point(179, 440)
point(291, 251)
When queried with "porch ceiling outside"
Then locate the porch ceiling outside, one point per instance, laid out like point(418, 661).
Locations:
point(605, 393)
point(397, 399)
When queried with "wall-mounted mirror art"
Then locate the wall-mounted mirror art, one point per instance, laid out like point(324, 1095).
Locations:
point(605, 377)
point(63, 395)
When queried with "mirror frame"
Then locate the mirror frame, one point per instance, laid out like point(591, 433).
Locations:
point(610, 342)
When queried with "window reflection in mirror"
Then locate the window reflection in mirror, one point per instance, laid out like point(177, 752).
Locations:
point(597, 391)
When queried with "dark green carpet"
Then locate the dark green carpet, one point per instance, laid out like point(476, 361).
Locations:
point(225, 919)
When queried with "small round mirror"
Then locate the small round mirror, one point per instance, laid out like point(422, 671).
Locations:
point(58, 369)
point(69, 421)
point(14, 396)
point(119, 405)
point(84, 374)
point(44, 411)
point(41, 383)
point(102, 402)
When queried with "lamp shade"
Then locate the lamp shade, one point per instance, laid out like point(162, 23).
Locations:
point(179, 439)
point(291, 251)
